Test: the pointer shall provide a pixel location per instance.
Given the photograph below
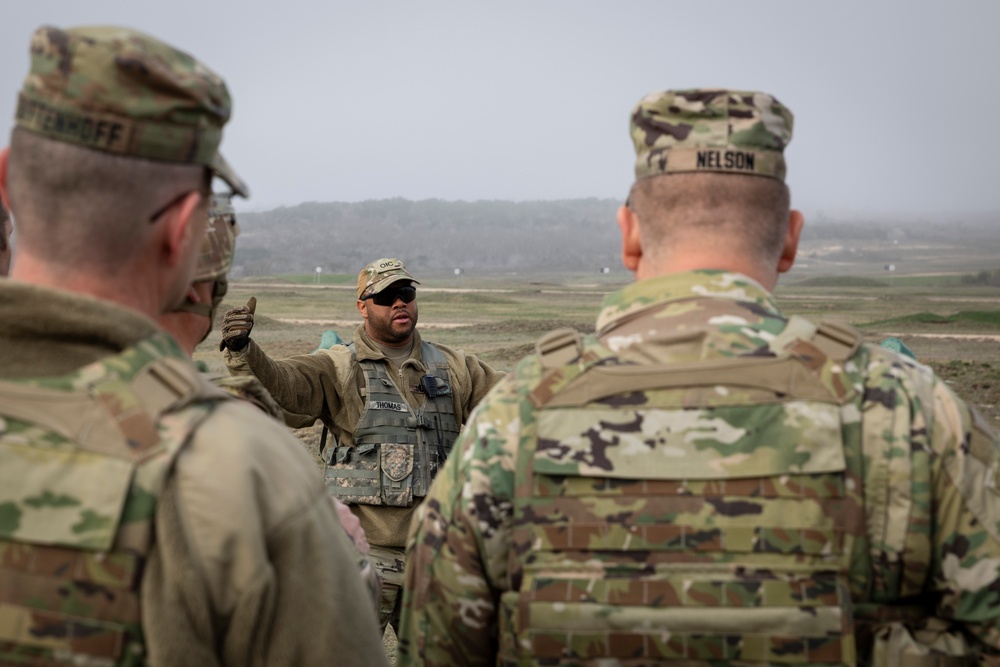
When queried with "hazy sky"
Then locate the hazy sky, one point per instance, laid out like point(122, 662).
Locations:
point(896, 102)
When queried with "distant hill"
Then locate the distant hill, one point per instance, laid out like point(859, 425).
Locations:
point(431, 236)
point(435, 237)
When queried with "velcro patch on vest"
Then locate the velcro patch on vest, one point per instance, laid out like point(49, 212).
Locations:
point(387, 405)
point(722, 442)
point(61, 495)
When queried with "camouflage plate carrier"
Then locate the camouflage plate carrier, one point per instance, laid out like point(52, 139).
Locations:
point(397, 449)
point(705, 513)
point(83, 459)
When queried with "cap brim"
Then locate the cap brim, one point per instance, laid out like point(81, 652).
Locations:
point(226, 173)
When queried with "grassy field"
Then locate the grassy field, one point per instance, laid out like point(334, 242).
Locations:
point(953, 328)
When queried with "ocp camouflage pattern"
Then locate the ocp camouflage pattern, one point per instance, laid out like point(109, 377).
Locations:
point(219, 246)
point(379, 274)
point(83, 459)
point(705, 522)
point(710, 130)
point(123, 92)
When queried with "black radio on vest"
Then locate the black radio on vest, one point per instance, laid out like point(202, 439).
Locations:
point(429, 385)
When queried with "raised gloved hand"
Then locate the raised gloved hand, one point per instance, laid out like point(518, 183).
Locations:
point(236, 326)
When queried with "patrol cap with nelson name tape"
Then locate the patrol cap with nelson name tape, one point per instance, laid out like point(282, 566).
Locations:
point(742, 132)
point(123, 92)
point(381, 273)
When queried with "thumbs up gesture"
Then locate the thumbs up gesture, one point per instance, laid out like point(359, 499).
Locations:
point(236, 326)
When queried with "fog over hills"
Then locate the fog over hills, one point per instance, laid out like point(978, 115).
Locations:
point(435, 237)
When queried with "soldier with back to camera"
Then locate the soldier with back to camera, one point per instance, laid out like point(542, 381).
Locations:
point(705, 481)
point(145, 516)
point(393, 402)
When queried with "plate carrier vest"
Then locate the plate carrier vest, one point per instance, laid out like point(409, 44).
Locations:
point(83, 459)
point(397, 448)
point(708, 513)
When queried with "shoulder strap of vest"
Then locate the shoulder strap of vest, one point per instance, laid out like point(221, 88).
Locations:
point(837, 340)
point(801, 349)
point(781, 376)
point(437, 365)
point(360, 379)
point(104, 413)
point(125, 417)
point(430, 354)
point(559, 347)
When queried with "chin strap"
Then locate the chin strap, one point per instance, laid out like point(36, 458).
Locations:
point(219, 288)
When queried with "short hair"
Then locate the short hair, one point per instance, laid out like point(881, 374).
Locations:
point(739, 210)
point(85, 207)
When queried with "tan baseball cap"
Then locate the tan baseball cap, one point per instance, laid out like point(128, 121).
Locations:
point(381, 273)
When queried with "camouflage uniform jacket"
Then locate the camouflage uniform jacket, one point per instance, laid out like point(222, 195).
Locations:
point(244, 538)
point(927, 538)
point(325, 386)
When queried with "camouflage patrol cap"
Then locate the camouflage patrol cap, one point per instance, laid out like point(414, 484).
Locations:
point(741, 132)
point(123, 92)
point(220, 240)
point(380, 274)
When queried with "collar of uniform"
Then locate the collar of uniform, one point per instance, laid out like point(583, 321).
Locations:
point(64, 330)
point(365, 349)
point(672, 287)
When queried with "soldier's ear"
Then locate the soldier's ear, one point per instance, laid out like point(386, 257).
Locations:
point(183, 228)
point(363, 309)
point(628, 224)
point(4, 162)
point(791, 247)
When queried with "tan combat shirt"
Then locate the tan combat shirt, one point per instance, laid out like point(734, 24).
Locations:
point(324, 385)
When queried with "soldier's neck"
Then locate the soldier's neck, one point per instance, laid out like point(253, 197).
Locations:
point(127, 290)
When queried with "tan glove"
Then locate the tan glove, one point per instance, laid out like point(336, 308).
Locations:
point(236, 326)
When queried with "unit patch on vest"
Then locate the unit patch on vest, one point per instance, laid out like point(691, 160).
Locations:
point(387, 405)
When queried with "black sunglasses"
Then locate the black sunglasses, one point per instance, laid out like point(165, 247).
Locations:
point(387, 297)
